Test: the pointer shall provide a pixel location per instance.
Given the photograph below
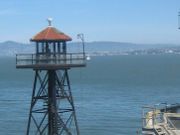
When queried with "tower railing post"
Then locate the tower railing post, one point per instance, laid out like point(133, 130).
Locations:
point(32, 60)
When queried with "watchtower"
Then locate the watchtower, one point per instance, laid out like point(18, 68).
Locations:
point(52, 110)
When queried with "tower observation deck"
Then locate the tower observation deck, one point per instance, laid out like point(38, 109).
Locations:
point(52, 110)
point(51, 52)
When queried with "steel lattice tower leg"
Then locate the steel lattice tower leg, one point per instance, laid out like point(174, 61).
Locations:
point(52, 110)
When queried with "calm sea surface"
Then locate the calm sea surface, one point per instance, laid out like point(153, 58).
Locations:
point(109, 93)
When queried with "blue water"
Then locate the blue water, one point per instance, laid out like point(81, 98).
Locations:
point(109, 93)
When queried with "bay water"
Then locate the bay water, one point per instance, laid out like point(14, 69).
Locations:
point(109, 93)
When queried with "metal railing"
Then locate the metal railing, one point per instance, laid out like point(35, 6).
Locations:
point(50, 59)
point(171, 126)
point(156, 117)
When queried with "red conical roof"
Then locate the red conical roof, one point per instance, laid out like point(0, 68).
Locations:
point(51, 34)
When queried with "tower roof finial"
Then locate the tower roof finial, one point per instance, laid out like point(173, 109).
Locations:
point(50, 21)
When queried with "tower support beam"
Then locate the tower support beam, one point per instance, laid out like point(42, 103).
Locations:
point(52, 109)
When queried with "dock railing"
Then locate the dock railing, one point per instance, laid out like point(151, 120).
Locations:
point(151, 115)
point(50, 59)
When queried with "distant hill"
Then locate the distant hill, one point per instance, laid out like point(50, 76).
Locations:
point(10, 48)
point(121, 46)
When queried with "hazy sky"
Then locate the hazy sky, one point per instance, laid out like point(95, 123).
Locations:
point(137, 21)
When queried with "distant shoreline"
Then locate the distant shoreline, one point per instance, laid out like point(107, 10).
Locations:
point(11, 48)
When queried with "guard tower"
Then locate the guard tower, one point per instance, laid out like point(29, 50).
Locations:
point(52, 110)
